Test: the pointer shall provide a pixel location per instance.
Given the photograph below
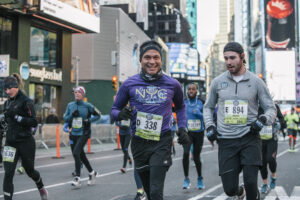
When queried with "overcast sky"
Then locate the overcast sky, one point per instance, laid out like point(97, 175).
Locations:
point(208, 24)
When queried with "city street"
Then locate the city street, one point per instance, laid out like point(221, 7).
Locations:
point(111, 184)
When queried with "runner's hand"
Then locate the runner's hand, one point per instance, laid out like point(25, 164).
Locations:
point(125, 114)
point(75, 113)
point(183, 137)
point(86, 124)
point(211, 134)
point(257, 125)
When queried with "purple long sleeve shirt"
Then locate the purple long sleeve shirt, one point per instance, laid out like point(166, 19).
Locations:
point(154, 97)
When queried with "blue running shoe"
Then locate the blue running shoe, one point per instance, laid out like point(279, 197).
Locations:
point(272, 183)
point(186, 184)
point(264, 188)
point(200, 183)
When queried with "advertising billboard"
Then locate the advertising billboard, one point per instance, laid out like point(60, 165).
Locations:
point(279, 24)
point(4, 65)
point(142, 12)
point(183, 59)
point(83, 13)
point(192, 62)
point(280, 75)
point(255, 21)
point(298, 84)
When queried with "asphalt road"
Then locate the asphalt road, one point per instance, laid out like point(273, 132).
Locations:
point(111, 184)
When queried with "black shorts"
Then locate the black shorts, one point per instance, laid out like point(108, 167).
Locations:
point(292, 132)
point(148, 153)
point(234, 153)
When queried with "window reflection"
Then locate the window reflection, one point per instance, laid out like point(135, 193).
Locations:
point(44, 99)
point(5, 35)
point(42, 47)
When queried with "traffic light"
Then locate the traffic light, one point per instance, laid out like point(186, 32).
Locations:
point(115, 82)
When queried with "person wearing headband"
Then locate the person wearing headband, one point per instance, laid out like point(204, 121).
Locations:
point(238, 94)
point(150, 94)
point(21, 120)
point(78, 116)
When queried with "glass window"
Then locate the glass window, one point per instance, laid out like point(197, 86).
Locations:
point(8, 39)
point(43, 47)
point(44, 99)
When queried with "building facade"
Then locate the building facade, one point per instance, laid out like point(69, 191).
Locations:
point(37, 45)
point(112, 52)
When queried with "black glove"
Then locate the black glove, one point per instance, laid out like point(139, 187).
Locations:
point(125, 114)
point(295, 121)
point(183, 137)
point(211, 134)
point(86, 124)
point(75, 113)
point(9, 113)
point(258, 124)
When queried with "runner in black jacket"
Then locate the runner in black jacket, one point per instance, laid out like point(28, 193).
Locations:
point(21, 119)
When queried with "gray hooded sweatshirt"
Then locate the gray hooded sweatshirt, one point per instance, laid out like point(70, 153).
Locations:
point(237, 104)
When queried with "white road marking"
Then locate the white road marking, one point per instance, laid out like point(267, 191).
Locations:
point(221, 197)
point(279, 193)
point(199, 196)
point(129, 169)
point(84, 179)
point(71, 162)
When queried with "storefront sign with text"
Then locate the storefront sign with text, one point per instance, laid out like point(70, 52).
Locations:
point(42, 74)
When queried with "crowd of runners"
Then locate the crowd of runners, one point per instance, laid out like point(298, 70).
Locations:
point(238, 115)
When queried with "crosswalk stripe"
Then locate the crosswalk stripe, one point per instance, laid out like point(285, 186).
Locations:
point(221, 197)
point(279, 193)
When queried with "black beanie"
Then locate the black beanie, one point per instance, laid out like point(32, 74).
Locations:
point(149, 45)
point(10, 82)
point(235, 47)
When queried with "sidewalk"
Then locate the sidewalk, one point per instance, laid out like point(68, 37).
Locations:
point(52, 152)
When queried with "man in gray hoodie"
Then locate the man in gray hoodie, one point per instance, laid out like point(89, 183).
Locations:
point(238, 94)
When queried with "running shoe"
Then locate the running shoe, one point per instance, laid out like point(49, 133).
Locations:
point(140, 196)
point(272, 182)
point(241, 197)
point(200, 183)
point(43, 194)
point(293, 150)
point(76, 182)
point(186, 184)
point(123, 170)
point(20, 170)
point(290, 150)
point(92, 177)
point(264, 189)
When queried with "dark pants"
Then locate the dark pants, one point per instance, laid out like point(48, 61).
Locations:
point(125, 140)
point(77, 145)
point(240, 154)
point(197, 141)
point(153, 182)
point(152, 160)
point(26, 151)
point(230, 182)
point(269, 153)
point(137, 179)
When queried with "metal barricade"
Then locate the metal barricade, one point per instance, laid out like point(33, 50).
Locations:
point(101, 133)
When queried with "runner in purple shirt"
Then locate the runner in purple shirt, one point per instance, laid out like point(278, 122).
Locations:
point(150, 95)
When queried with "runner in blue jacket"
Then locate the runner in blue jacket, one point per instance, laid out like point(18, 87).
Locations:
point(79, 115)
point(195, 125)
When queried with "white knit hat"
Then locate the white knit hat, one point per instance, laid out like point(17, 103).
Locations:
point(80, 89)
